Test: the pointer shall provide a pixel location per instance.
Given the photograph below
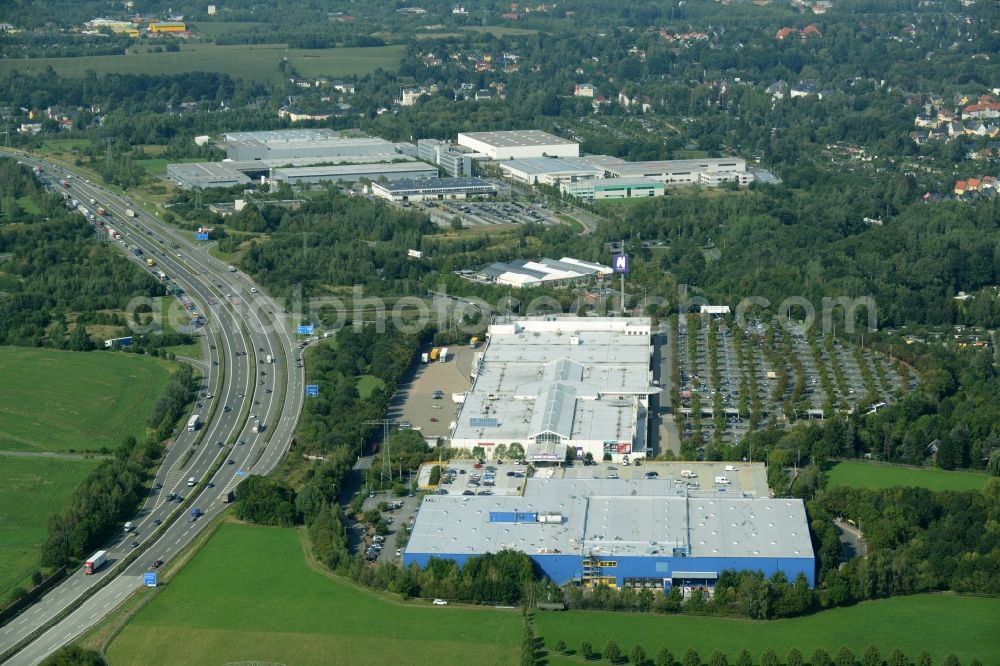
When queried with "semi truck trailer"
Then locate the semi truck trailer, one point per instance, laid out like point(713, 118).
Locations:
point(95, 562)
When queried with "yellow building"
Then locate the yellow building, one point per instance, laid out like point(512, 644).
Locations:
point(167, 26)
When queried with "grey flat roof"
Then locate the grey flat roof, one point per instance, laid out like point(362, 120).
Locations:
point(608, 517)
point(537, 166)
point(513, 138)
point(205, 172)
point(436, 184)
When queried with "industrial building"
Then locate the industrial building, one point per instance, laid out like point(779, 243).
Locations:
point(519, 144)
point(710, 172)
point(552, 171)
point(202, 175)
point(638, 533)
point(456, 161)
point(434, 188)
point(296, 143)
point(533, 273)
point(351, 173)
point(167, 26)
point(556, 382)
point(613, 188)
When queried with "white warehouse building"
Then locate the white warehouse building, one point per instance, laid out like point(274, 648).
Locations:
point(518, 144)
point(556, 381)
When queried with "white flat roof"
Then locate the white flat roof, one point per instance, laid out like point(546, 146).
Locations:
point(609, 517)
point(515, 138)
point(578, 377)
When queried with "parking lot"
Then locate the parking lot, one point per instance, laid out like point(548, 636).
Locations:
point(731, 383)
point(397, 513)
point(468, 477)
point(415, 402)
point(483, 213)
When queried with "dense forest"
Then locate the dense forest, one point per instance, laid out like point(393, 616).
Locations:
point(55, 275)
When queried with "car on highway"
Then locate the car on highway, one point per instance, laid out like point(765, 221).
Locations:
point(227, 408)
point(134, 544)
point(157, 522)
point(156, 564)
point(231, 462)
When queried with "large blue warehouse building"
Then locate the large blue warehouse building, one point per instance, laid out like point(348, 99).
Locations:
point(644, 533)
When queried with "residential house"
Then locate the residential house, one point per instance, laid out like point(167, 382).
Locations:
point(584, 90)
point(411, 95)
point(984, 109)
point(804, 89)
point(296, 115)
point(777, 90)
point(955, 128)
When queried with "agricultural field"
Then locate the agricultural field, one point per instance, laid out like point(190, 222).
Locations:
point(31, 490)
point(870, 475)
point(257, 62)
point(75, 401)
point(220, 608)
point(941, 624)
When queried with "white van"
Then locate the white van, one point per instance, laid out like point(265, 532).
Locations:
point(730, 468)
point(688, 474)
point(722, 480)
point(191, 482)
point(128, 527)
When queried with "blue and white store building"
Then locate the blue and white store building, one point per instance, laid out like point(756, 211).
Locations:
point(640, 533)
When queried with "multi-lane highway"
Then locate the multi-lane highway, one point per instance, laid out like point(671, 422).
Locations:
point(242, 326)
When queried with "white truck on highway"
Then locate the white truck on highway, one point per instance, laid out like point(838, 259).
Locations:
point(193, 423)
point(95, 562)
point(129, 212)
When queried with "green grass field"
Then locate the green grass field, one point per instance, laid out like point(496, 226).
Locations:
point(81, 401)
point(367, 384)
point(868, 475)
point(31, 490)
point(257, 62)
point(157, 166)
point(249, 596)
point(220, 608)
point(940, 624)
